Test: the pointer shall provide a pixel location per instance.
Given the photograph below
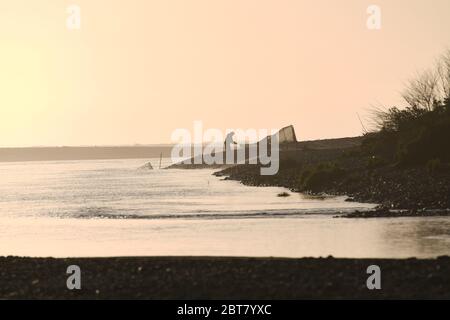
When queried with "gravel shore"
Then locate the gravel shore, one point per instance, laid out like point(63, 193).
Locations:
point(223, 278)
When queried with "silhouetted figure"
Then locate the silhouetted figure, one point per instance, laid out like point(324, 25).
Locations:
point(228, 152)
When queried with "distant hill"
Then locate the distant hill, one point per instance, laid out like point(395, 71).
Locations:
point(83, 153)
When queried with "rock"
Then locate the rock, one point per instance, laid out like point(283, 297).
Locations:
point(147, 166)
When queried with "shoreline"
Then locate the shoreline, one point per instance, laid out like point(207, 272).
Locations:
point(188, 277)
point(412, 190)
point(386, 213)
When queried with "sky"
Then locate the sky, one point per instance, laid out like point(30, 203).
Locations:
point(137, 70)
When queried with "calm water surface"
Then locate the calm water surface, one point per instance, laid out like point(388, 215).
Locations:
point(113, 208)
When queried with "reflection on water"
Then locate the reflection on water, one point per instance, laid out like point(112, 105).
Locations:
point(109, 208)
point(284, 237)
point(118, 188)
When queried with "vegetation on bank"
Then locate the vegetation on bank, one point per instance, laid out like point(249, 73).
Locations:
point(416, 135)
point(402, 163)
point(420, 132)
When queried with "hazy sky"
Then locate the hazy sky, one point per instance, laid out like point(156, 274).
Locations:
point(137, 70)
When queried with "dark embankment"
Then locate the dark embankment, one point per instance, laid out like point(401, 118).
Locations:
point(386, 213)
point(341, 172)
point(223, 278)
point(404, 165)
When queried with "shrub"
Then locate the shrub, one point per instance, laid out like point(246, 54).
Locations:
point(419, 132)
point(375, 162)
point(434, 165)
point(422, 137)
point(319, 176)
point(288, 163)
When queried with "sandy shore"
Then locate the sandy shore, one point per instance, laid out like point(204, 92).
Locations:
point(223, 278)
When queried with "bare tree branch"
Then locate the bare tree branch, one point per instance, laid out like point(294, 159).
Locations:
point(422, 92)
point(443, 72)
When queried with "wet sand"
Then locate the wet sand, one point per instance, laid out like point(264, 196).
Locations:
point(223, 278)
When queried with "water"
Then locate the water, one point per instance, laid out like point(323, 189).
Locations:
point(113, 208)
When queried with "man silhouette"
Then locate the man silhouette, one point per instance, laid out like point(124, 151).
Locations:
point(228, 152)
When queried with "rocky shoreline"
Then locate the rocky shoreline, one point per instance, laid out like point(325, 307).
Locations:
point(343, 167)
point(413, 190)
point(386, 213)
point(223, 278)
point(394, 198)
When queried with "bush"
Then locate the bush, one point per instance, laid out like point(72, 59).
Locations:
point(414, 141)
point(382, 144)
point(319, 176)
point(375, 162)
point(434, 165)
point(419, 132)
point(289, 163)
point(428, 141)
